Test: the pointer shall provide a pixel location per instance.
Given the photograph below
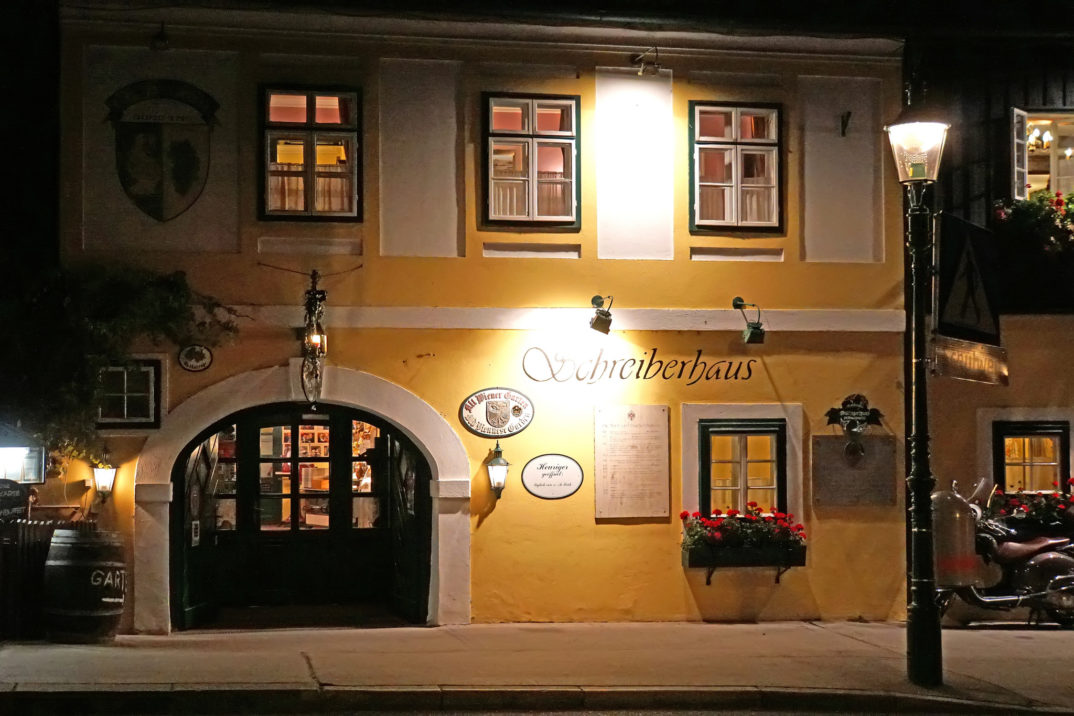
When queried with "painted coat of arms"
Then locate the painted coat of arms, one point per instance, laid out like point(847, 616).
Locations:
point(505, 412)
point(163, 130)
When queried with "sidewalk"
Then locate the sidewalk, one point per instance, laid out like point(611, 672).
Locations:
point(793, 666)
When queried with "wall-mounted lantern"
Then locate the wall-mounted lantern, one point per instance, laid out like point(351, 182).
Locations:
point(104, 479)
point(314, 341)
point(497, 468)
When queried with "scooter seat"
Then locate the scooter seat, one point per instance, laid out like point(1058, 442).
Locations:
point(1008, 552)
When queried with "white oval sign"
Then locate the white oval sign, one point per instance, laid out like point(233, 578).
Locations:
point(552, 477)
point(496, 412)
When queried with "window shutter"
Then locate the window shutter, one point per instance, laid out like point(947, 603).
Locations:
point(1019, 155)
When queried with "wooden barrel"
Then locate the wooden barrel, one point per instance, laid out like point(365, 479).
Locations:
point(85, 582)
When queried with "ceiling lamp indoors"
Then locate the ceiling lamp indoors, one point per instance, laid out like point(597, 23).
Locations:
point(497, 468)
point(754, 331)
point(314, 341)
point(1037, 141)
point(602, 319)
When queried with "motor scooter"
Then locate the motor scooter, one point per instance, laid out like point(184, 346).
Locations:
point(1017, 570)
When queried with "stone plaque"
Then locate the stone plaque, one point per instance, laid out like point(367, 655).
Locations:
point(842, 480)
point(632, 477)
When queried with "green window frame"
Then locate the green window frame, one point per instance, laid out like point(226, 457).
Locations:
point(525, 138)
point(311, 125)
point(736, 468)
point(736, 167)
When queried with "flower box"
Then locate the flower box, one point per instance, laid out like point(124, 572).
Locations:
point(770, 556)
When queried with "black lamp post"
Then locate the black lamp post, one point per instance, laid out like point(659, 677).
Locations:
point(917, 140)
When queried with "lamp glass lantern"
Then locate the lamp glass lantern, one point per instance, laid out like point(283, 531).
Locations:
point(104, 479)
point(497, 469)
point(917, 139)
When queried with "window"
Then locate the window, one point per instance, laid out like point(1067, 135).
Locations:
point(1042, 147)
point(1031, 455)
point(735, 166)
point(742, 461)
point(130, 395)
point(531, 163)
point(310, 155)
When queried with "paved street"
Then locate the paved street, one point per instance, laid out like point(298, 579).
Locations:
point(795, 666)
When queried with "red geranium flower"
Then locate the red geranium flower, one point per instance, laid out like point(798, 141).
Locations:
point(683, 515)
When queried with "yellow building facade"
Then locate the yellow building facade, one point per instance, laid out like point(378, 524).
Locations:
point(430, 301)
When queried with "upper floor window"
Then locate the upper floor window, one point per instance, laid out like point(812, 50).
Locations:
point(310, 155)
point(130, 395)
point(531, 145)
point(1042, 145)
point(742, 461)
point(1031, 455)
point(736, 152)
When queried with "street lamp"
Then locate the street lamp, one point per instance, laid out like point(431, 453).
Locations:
point(917, 139)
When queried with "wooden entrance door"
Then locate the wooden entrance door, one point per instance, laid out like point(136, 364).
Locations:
point(283, 506)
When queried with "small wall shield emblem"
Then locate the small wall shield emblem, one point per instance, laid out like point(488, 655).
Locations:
point(496, 412)
point(162, 138)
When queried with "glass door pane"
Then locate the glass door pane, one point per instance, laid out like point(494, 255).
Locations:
point(365, 503)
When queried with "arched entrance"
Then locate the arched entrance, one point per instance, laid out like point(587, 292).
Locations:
point(322, 514)
point(449, 581)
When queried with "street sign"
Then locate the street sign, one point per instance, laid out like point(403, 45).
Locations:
point(969, 360)
point(966, 306)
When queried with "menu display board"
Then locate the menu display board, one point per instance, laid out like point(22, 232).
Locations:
point(631, 461)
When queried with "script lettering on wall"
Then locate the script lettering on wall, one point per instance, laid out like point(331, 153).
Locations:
point(632, 473)
point(542, 366)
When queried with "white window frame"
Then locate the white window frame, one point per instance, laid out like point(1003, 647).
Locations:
point(769, 145)
point(530, 136)
point(152, 366)
point(1019, 177)
point(740, 467)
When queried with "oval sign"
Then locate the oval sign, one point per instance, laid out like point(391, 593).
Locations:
point(496, 412)
point(195, 358)
point(552, 477)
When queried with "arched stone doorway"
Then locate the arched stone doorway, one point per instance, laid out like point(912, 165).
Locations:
point(315, 517)
point(449, 473)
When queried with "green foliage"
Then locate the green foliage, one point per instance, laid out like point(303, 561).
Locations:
point(1042, 221)
point(65, 325)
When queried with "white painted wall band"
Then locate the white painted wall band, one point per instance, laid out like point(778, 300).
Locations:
point(625, 319)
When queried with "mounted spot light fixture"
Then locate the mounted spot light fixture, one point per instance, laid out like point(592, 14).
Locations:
point(497, 468)
point(602, 319)
point(648, 62)
point(754, 332)
point(314, 341)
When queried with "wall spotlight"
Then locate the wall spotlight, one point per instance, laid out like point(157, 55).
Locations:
point(754, 332)
point(602, 319)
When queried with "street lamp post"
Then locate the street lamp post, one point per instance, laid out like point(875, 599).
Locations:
point(917, 140)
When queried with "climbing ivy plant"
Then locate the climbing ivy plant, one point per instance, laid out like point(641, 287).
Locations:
point(63, 325)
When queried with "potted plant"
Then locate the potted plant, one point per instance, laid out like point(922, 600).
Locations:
point(1034, 513)
point(1035, 244)
point(750, 538)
